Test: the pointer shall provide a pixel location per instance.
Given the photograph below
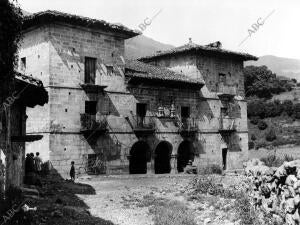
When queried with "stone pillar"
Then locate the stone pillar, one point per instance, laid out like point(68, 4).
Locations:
point(173, 163)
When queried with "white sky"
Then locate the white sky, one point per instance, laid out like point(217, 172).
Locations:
point(204, 21)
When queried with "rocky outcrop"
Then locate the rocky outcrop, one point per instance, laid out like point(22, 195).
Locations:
point(276, 191)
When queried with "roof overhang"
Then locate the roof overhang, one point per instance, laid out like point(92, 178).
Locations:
point(50, 17)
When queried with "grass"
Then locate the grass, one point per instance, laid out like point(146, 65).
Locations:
point(171, 213)
point(276, 161)
point(211, 169)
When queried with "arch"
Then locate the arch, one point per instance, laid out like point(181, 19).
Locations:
point(162, 159)
point(139, 155)
point(186, 152)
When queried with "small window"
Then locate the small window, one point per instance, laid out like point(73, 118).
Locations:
point(23, 64)
point(91, 107)
point(90, 70)
point(185, 112)
point(222, 77)
point(110, 70)
point(141, 109)
point(224, 111)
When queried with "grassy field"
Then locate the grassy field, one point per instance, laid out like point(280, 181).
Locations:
point(286, 129)
point(293, 95)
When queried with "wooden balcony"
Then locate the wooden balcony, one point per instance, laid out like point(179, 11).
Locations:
point(143, 126)
point(227, 91)
point(91, 125)
point(92, 88)
point(188, 127)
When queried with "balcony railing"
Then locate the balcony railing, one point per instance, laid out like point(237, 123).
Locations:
point(143, 125)
point(188, 126)
point(89, 123)
point(227, 124)
point(227, 90)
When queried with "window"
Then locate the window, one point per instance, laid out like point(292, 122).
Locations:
point(90, 70)
point(185, 112)
point(224, 111)
point(110, 70)
point(141, 109)
point(91, 107)
point(23, 64)
point(222, 77)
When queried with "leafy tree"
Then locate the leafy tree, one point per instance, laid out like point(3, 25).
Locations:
point(10, 27)
point(261, 82)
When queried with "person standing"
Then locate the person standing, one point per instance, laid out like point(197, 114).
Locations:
point(72, 171)
point(38, 163)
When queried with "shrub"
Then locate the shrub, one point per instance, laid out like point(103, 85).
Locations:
point(246, 211)
point(271, 135)
point(261, 144)
point(211, 169)
point(172, 213)
point(254, 120)
point(253, 138)
point(275, 161)
point(251, 145)
point(262, 125)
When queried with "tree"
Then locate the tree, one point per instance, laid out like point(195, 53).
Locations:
point(262, 82)
point(10, 34)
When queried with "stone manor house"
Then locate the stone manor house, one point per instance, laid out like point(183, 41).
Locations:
point(115, 116)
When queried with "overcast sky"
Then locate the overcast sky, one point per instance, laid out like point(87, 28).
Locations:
point(204, 21)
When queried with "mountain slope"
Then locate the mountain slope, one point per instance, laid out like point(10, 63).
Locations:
point(286, 67)
point(141, 46)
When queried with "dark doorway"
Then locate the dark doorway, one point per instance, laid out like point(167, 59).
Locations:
point(185, 153)
point(224, 157)
point(139, 155)
point(162, 158)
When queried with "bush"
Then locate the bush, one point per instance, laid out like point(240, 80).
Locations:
point(172, 213)
point(254, 120)
point(272, 160)
point(262, 125)
point(246, 211)
point(251, 145)
point(253, 138)
point(261, 144)
point(271, 135)
point(211, 169)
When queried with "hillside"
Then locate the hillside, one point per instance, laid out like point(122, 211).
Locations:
point(141, 46)
point(281, 66)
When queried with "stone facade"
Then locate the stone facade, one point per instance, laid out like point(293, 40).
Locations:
point(56, 54)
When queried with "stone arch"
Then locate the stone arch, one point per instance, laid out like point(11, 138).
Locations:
point(186, 152)
point(162, 158)
point(139, 155)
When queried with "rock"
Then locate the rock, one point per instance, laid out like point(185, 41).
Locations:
point(253, 162)
point(290, 205)
point(289, 219)
point(291, 180)
point(257, 170)
point(206, 221)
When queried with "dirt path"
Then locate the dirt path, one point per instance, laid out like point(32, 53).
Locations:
point(121, 199)
point(117, 198)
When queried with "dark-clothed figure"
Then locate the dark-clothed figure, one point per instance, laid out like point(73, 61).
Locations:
point(72, 171)
point(38, 163)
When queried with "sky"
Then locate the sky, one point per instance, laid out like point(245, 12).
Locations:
point(266, 27)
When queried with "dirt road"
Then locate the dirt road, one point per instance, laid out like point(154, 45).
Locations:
point(120, 199)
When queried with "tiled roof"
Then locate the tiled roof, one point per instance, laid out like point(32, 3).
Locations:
point(137, 69)
point(28, 79)
point(208, 49)
point(51, 16)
